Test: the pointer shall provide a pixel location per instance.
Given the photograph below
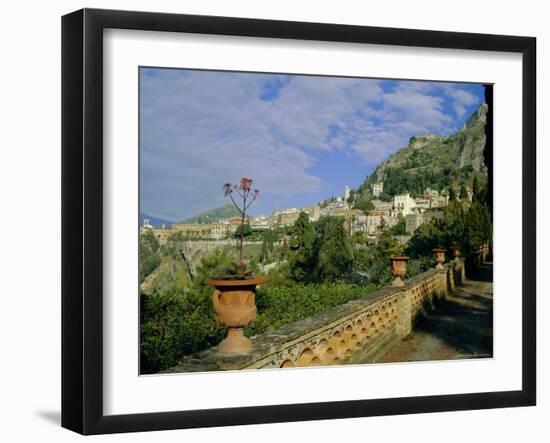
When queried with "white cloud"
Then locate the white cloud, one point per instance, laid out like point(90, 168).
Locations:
point(461, 98)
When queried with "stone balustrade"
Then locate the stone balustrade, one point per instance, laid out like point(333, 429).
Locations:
point(359, 331)
point(481, 254)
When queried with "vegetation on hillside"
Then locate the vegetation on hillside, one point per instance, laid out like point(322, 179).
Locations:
point(214, 215)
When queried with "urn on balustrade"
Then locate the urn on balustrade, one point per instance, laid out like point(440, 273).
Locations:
point(398, 269)
point(456, 251)
point(235, 307)
point(439, 255)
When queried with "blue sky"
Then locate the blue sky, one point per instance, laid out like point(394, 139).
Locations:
point(300, 138)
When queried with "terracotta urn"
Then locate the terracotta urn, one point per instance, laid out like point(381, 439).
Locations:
point(456, 252)
point(235, 307)
point(398, 269)
point(439, 255)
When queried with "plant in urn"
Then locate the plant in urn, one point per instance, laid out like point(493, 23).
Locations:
point(234, 296)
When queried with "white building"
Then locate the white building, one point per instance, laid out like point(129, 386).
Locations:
point(380, 205)
point(313, 212)
point(377, 188)
point(440, 201)
point(338, 204)
point(423, 203)
point(211, 231)
point(374, 221)
point(261, 222)
point(347, 193)
point(403, 204)
point(286, 217)
point(431, 193)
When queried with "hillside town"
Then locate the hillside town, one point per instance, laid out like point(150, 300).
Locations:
point(385, 214)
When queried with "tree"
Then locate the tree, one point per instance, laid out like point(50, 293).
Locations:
point(302, 254)
point(264, 252)
point(453, 226)
point(364, 204)
point(382, 225)
point(335, 256)
point(478, 228)
point(149, 240)
point(475, 189)
point(351, 196)
point(374, 261)
point(426, 237)
point(243, 231)
point(463, 192)
point(149, 257)
point(400, 228)
point(466, 224)
point(452, 194)
point(385, 197)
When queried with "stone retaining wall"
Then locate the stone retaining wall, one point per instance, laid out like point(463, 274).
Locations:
point(359, 331)
point(191, 247)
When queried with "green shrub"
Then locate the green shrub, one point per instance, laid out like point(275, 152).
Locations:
point(416, 266)
point(278, 305)
point(177, 319)
point(174, 323)
point(149, 257)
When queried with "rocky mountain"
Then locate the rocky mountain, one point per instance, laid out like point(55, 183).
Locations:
point(434, 161)
point(213, 215)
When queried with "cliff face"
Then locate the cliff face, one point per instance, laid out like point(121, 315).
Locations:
point(460, 155)
point(471, 140)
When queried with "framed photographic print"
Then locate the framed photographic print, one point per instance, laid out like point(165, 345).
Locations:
point(269, 221)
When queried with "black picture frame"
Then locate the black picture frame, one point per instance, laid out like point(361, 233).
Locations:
point(82, 218)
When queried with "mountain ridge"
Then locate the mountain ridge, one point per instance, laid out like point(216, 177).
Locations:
point(213, 215)
point(434, 161)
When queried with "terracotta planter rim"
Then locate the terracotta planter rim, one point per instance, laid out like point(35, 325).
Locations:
point(253, 281)
point(399, 257)
point(439, 250)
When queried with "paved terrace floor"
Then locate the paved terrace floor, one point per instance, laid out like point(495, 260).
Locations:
point(460, 327)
